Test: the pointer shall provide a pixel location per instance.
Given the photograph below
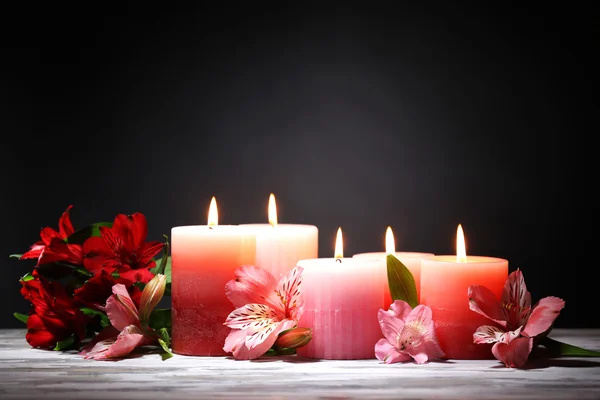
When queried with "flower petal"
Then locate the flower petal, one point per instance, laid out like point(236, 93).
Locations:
point(515, 291)
point(487, 334)
point(483, 301)
point(391, 327)
point(107, 333)
point(253, 316)
point(127, 340)
point(65, 226)
point(241, 350)
point(386, 352)
point(543, 315)
point(290, 296)
point(120, 309)
point(400, 309)
point(515, 353)
point(418, 336)
point(252, 285)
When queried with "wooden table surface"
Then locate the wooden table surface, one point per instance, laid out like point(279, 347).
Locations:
point(27, 373)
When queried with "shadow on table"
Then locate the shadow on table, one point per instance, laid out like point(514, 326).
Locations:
point(541, 363)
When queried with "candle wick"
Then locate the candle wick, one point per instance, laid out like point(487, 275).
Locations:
point(210, 227)
point(338, 260)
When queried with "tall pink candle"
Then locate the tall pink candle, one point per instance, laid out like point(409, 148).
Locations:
point(445, 280)
point(279, 247)
point(204, 258)
point(411, 260)
point(342, 298)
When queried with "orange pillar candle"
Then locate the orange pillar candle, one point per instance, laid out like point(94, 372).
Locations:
point(410, 259)
point(445, 281)
point(204, 258)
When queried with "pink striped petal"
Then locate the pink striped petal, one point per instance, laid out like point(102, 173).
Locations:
point(487, 334)
point(515, 291)
point(253, 316)
point(289, 294)
point(543, 316)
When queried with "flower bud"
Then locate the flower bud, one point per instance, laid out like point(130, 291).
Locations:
point(151, 296)
point(294, 338)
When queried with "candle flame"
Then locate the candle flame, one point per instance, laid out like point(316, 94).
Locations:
point(390, 245)
point(213, 213)
point(461, 250)
point(272, 211)
point(339, 245)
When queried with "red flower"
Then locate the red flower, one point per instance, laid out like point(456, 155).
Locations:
point(123, 249)
point(96, 290)
point(52, 246)
point(54, 316)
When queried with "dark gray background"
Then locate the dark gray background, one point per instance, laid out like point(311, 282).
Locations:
point(416, 118)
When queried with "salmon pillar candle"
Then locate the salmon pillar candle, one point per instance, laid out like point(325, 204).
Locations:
point(411, 260)
point(342, 297)
point(445, 281)
point(279, 247)
point(204, 258)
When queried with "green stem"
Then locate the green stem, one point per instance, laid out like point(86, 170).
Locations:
point(560, 349)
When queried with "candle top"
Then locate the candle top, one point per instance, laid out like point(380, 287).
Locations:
point(339, 264)
point(405, 254)
point(451, 259)
point(217, 229)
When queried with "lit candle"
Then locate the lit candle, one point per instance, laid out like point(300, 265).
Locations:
point(445, 280)
point(342, 298)
point(204, 258)
point(279, 247)
point(411, 260)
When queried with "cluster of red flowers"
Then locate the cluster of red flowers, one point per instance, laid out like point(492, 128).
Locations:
point(75, 274)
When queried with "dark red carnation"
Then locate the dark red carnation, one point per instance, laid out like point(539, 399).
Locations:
point(54, 316)
point(123, 249)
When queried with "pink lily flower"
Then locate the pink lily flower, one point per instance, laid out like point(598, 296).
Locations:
point(519, 327)
point(129, 327)
point(409, 333)
point(265, 308)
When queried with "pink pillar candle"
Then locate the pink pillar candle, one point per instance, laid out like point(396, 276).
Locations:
point(342, 297)
point(411, 260)
point(204, 258)
point(279, 247)
point(444, 288)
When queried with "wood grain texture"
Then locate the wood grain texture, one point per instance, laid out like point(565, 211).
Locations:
point(27, 373)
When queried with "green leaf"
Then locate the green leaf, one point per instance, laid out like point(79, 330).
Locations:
point(21, 317)
point(27, 277)
point(65, 344)
point(91, 312)
point(82, 234)
point(560, 349)
point(15, 256)
point(165, 342)
point(166, 354)
point(401, 282)
point(160, 318)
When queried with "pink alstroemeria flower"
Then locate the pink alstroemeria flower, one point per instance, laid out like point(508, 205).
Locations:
point(265, 308)
point(409, 333)
point(519, 326)
point(129, 327)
